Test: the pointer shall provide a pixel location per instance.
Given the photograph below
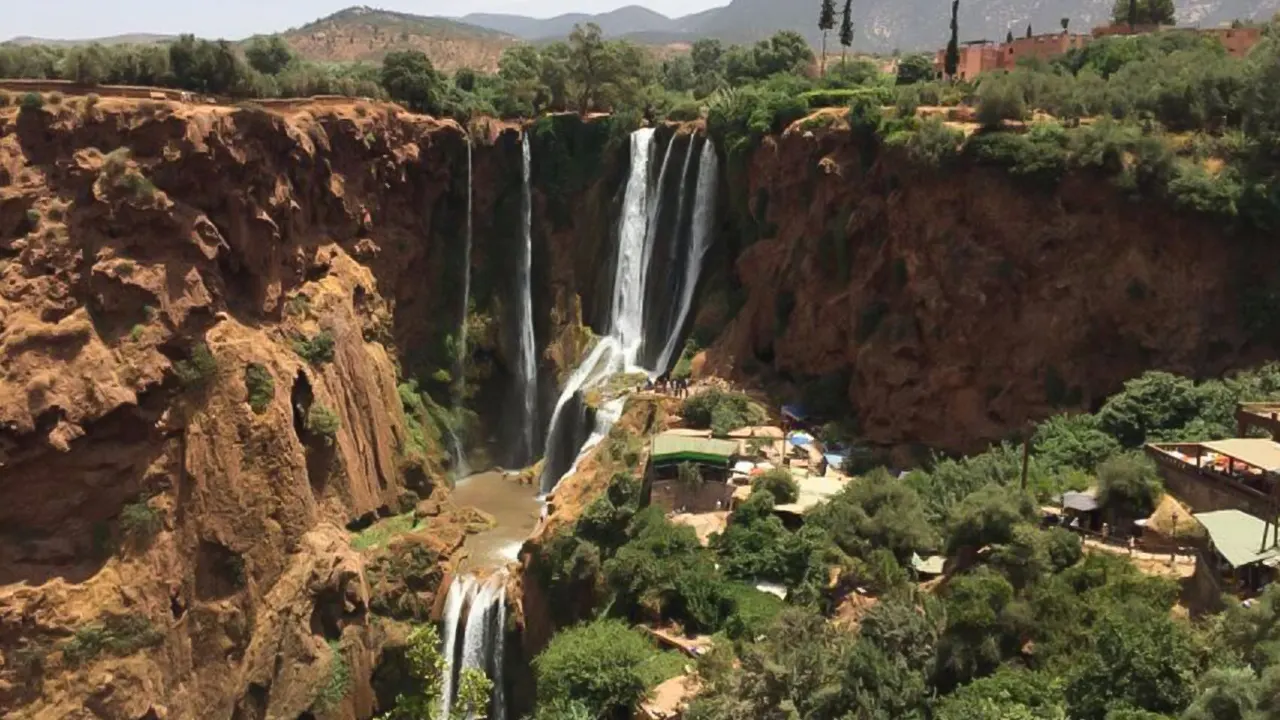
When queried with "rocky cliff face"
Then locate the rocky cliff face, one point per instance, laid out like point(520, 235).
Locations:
point(946, 307)
point(200, 334)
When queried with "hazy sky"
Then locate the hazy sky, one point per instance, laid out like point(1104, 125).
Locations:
point(74, 19)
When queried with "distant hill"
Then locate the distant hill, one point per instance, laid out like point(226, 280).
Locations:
point(879, 25)
point(366, 34)
point(134, 39)
point(623, 21)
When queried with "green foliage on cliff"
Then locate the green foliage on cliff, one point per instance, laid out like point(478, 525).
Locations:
point(599, 664)
point(323, 421)
point(721, 411)
point(316, 350)
point(118, 635)
point(260, 385)
point(198, 369)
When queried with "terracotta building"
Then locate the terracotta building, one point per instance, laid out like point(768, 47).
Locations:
point(982, 56)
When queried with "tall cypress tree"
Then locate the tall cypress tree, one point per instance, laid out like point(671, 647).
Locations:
point(846, 29)
point(1009, 37)
point(1028, 29)
point(952, 60)
point(826, 21)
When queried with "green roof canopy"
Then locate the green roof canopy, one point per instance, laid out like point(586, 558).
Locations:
point(669, 448)
point(1237, 536)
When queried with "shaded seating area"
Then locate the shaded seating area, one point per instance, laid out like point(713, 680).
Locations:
point(1239, 473)
point(1243, 552)
point(704, 484)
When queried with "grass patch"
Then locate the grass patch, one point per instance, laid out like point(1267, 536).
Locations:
point(135, 334)
point(662, 666)
point(118, 635)
point(379, 533)
point(297, 306)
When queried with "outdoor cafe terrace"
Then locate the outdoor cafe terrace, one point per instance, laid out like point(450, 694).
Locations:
point(1240, 472)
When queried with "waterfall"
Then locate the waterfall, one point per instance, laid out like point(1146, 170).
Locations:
point(527, 371)
point(479, 612)
point(461, 468)
point(628, 278)
point(639, 234)
point(704, 208)
point(459, 590)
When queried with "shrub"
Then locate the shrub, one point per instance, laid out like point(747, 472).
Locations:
point(33, 218)
point(6, 99)
point(55, 98)
point(136, 184)
point(1128, 486)
point(316, 350)
point(198, 369)
point(119, 635)
point(1195, 188)
point(907, 101)
point(779, 483)
point(1036, 157)
point(337, 682)
point(323, 421)
point(1000, 99)
point(598, 664)
point(261, 387)
point(721, 411)
point(140, 522)
point(32, 101)
point(686, 111)
point(91, 101)
point(932, 144)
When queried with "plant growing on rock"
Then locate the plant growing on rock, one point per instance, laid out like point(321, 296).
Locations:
point(261, 387)
point(197, 370)
point(317, 350)
point(426, 666)
point(32, 102)
point(140, 522)
point(119, 635)
point(338, 682)
point(323, 421)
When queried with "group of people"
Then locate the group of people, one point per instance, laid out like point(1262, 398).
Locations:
point(665, 384)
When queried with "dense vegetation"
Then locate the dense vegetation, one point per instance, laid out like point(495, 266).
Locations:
point(1030, 627)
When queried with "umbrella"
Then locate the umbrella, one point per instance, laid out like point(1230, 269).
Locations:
point(800, 439)
point(743, 466)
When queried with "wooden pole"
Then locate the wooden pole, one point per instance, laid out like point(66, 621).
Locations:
point(1026, 459)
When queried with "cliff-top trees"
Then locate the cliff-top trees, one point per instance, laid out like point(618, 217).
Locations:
point(1142, 12)
point(826, 21)
point(268, 55)
point(952, 59)
point(589, 65)
point(846, 28)
point(410, 78)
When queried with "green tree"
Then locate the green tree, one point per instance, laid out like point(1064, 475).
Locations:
point(1028, 29)
point(1128, 486)
point(988, 517)
point(876, 511)
point(1141, 659)
point(1064, 22)
point(1008, 37)
point(1143, 12)
point(826, 21)
point(1009, 694)
point(1074, 441)
point(779, 483)
point(409, 77)
point(952, 59)
point(268, 55)
point(426, 666)
point(87, 64)
point(846, 29)
point(915, 68)
point(598, 665)
point(590, 66)
point(980, 633)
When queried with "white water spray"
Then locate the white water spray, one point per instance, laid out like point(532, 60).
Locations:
point(461, 468)
point(704, 208)
point(459, 590)
point(528, 371)
point(475, 616)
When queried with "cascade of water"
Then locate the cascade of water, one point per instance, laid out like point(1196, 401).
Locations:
point(628, 282)
point(500, 657)
point(528, 372)
point(658, 309)
point(459, 590)
point(460, 466)
point(704, 208)
point(605, 359)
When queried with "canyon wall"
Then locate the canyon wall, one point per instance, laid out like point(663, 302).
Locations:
point(944, 307)
point(201, 337)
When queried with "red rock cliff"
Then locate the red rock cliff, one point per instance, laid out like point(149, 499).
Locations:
point(168, 550)
point(949, 307)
